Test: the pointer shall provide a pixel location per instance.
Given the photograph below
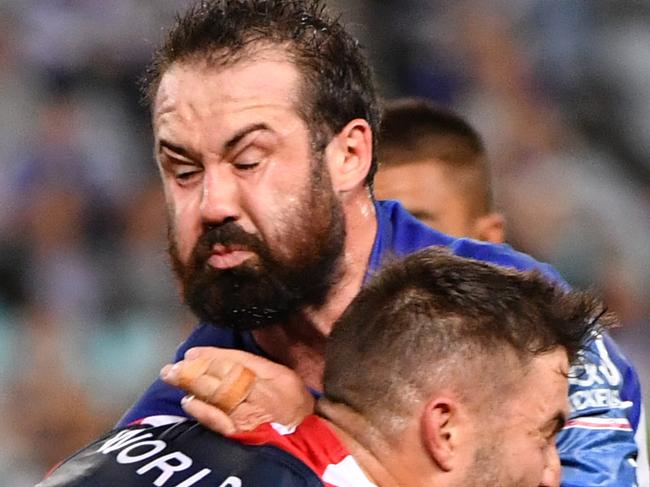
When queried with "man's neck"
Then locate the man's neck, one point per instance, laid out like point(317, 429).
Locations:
point(300, 341)
point(361, 439)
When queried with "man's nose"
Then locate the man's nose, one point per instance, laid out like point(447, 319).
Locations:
point(220, 196)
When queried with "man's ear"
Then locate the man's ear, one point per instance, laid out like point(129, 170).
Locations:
point(441, 431)
point(491, 228)
point(349, 155)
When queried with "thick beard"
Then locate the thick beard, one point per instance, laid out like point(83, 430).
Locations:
point(267, 288)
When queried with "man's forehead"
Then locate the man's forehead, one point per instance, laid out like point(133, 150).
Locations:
point(546, 382)
point(266, 79)
point(199, 103)
point(556, 360)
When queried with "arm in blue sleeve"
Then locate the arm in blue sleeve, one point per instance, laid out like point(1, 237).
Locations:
point(598, 447)
point(601, 444)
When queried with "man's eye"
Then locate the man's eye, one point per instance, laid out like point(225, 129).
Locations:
point(185, 173)
point(246, 165)
point(249, 158)
point(183, 176)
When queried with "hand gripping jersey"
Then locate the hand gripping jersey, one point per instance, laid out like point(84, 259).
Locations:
point(172, 451)
point(604, 442)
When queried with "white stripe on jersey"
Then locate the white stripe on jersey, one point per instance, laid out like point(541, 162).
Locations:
point(346, 473)
point(283, 430)
point(599, 423)
point(160, 420)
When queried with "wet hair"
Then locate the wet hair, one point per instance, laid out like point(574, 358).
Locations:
point(433, 318)
point(416, 129)
point(336, 85)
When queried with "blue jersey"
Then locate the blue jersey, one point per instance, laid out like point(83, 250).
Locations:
point(600, 445)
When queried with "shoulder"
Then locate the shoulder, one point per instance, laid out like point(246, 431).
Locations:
point(503, 255)
point(312, 441)
point(401, 234)
point(316, 444)
point(183, 452)
point(211, 335)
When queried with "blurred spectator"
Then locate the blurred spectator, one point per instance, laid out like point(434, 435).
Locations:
point(146, 283)
point(19, 91)
point(47, 413)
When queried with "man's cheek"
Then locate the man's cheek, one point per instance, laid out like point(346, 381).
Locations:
point(185, 228)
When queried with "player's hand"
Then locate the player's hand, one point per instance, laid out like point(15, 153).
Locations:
point(231, 390)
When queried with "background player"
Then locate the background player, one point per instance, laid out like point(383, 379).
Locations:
point(435, 164)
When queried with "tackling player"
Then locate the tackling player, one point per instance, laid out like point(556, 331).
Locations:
point(443, 371)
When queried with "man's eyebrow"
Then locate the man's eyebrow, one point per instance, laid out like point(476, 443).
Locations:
point(235, 139)
point(177, 149)
point(232, 142)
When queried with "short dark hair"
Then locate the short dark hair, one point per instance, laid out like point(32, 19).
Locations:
point(425, 321)
point(337, 84)
point(416, 129)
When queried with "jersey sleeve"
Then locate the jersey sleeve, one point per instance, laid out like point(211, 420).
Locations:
point(603, 444)
point(599, 446)
point(181, 453)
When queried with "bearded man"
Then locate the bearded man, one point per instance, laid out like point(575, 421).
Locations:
point(265, 122)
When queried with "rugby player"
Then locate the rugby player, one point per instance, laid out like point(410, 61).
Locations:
point(265, 121)
point(443, 371)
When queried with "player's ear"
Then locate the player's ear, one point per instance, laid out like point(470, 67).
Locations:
point(491, 228)
point(442, 430)
point(349, 155)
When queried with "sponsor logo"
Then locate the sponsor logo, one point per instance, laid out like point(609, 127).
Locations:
point(133, 446)
point(597, 399)
point(595, 374)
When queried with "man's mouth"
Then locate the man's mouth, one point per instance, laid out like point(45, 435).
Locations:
point(228, 256)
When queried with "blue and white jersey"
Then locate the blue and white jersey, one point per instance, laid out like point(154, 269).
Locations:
point(603, 444)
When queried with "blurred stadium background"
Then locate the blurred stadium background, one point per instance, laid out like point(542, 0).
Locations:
point(88, 311)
